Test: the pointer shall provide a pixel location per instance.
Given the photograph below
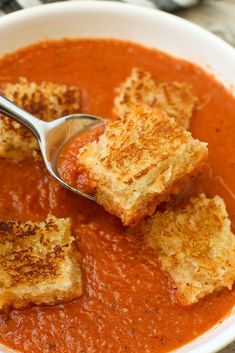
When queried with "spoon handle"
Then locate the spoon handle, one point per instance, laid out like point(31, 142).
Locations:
point(11, 110)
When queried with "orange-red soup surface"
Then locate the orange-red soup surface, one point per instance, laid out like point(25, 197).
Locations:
point(128, 303)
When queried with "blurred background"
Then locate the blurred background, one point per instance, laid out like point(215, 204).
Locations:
point(218, 16)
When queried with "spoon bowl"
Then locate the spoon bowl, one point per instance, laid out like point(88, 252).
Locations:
point(53, 135)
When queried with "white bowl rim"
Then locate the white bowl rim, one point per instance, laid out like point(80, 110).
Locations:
point(123, 8)
point(98, 5)
point(223, 338)
point(104, 4)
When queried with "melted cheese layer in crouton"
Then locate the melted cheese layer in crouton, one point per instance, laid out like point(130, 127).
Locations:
point(38, 263)
point(46, 101)
point(139, 161)
point(175, 98)
point(195, 246)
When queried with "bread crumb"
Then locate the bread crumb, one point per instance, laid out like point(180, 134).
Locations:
point(175, 98)
point(47, 101)
point(195, 247)
point(38, 263)
point(139, 161)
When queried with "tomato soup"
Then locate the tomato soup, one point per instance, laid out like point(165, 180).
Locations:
point(128, 303)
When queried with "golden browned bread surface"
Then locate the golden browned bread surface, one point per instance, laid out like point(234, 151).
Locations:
point(139, 161)
point(38, 263)
point(175, 98)
point(46, 101)
point(195, 247)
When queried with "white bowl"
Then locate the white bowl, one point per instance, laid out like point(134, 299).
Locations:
point(146, 26)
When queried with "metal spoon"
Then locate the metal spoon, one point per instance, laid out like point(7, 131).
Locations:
point(52, 135)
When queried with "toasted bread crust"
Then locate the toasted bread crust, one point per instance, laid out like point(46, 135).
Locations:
point(195, 247)
point(38, 263)
point(175, 98)
point(139, 161)
point(47, 101)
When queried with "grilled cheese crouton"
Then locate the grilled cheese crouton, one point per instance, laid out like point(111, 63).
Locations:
point(38, 263)
point(139, 161)
point(46, 101)
point(195, 246)
point(175, 98)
